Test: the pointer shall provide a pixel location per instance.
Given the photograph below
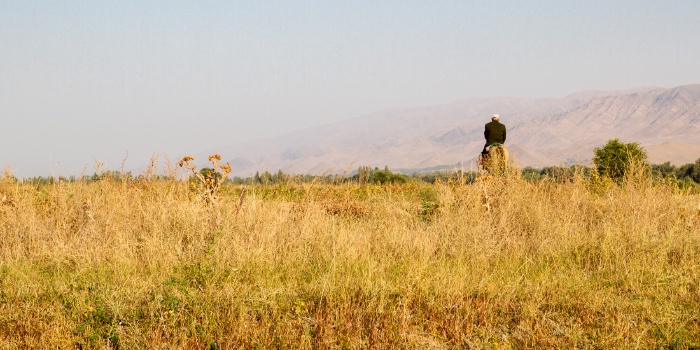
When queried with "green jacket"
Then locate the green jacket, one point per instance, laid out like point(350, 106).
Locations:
point(495, 132)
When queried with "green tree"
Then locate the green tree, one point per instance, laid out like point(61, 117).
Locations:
point(386, 176)
point(696, 171)
point(266, 178)
point(664, 170)
point(363, 174)
point(616, 158)
point(690, 171)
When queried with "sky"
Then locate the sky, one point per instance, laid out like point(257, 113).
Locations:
point(118, 82)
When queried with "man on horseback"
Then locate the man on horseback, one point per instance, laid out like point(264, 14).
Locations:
point(495, 133)
point(495, 159)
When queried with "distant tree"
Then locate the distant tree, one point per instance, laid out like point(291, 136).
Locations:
point(363, 174)
point(386, 176)
point(280, 177)
point(530, 173)
point(664, 170)
point(266, 177)
point(554, 172)
point(695, 174)
point(690, 171)
point(616, 158)
point(210, 180)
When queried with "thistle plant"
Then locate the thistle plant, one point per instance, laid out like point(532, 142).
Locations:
point(208, 180)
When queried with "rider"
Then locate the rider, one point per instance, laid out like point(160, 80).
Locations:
point(495, 133)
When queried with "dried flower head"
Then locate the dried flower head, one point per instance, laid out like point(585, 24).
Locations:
point(226, 168)
point(215, 156)
point(184, 161)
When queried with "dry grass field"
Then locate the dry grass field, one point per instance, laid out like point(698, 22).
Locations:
point(149, 264)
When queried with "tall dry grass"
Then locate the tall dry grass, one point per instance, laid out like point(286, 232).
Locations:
point(150, 264)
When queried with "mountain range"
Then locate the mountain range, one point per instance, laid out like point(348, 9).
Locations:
point(541, 132)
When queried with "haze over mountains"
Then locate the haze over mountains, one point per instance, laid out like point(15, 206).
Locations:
point(541, 132)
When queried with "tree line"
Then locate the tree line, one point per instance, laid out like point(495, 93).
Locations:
point(613, 160)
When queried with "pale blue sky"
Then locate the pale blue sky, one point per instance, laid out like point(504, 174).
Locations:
point(92, 80)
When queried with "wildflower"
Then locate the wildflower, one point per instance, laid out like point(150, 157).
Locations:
point(215, 156)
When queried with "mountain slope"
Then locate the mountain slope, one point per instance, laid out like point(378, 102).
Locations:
point(650, 118)
point(677, 153)
point(541, 132)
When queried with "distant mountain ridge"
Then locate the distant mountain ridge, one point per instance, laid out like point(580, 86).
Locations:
point(541, 132)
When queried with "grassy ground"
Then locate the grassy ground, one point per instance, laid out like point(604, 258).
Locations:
point(148, 264)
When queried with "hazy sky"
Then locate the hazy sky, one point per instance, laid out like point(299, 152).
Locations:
point(94, 80)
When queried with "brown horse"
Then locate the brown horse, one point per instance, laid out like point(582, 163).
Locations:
point(495, 162)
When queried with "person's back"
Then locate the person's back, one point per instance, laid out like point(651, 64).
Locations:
point(495, 132)
point(497, 154)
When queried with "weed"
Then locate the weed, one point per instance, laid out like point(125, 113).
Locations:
point(208, 180)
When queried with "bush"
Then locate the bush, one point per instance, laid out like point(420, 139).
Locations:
point(616, 158)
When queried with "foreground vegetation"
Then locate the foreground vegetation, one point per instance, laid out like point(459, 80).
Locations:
point(498, 263)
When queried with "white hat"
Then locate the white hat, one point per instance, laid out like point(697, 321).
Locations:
point(496, 117)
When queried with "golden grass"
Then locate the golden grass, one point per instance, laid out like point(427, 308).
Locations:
point(147, 264)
